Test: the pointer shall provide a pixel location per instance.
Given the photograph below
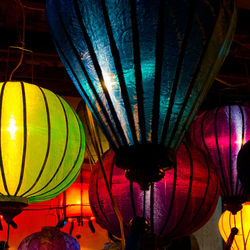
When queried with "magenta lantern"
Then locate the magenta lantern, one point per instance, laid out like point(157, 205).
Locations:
point(221, 133)
point(50, 238)
point(174, 207)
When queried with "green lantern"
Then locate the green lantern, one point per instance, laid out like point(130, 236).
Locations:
point(42, 146)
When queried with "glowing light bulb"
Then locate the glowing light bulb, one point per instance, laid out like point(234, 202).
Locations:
point(12, 128)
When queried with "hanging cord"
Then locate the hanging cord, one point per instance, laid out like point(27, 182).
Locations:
point(22, 40)
point(97, 149)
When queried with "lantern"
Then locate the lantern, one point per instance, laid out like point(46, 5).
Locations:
point(49, 238)
point(243, 166)
point(82, 112)
point(75, 201)
point(143, 68)
point(237, 227)
point(221, 133)
point(42, 146)
point(174, 207)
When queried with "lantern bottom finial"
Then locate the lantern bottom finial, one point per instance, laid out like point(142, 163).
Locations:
point(234, 205)
point(11, 206)
point(145, 163)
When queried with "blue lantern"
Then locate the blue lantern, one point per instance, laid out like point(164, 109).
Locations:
point(143, 67)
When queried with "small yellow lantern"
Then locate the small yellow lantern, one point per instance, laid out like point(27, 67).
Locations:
point(42, 145)
point(235, 229)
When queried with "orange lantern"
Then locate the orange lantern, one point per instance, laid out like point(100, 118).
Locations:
point(74, 202)
point(235, 229)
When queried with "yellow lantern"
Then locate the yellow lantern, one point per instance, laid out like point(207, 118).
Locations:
point(235, 229)
point(42, 145)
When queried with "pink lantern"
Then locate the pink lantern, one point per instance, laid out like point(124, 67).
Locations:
point(221, 133)
point(174, 207)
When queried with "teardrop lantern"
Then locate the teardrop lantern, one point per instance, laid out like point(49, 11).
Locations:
point(221, 133)
point(174, 207)
point(235, 228)
point(42, 146)
point(143, 68)
point(49, 238)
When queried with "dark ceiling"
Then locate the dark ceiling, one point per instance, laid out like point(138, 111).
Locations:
point(232, 84)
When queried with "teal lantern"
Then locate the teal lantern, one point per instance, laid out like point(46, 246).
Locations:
point(143, 67)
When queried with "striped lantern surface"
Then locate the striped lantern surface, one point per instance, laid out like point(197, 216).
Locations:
point(221, 133)
point(176, 206)
point(143, 68)
point(42, 143)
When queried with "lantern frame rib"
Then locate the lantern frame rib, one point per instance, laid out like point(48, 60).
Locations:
point(24, 139)
point(158, 71)
point(138, 73)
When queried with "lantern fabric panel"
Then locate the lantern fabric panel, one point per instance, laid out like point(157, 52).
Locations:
point(175, 206)
point(75, 199)
point(142, 67)
point(221, 133)
point(42, 142)
point(50, 238)
point(241, 222)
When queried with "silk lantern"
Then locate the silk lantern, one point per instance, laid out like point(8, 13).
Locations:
point(143, 68)
point(74, 201)
point(174, 207)
point(42, 146)
point(236, 226)
point(221, 133)
point(49, 238)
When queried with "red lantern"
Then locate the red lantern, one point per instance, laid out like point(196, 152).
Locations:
point(175, 206)
point(74, 202)
point(221, 133)
point(50, 238)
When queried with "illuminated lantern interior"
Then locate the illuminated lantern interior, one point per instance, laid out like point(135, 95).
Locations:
point(143, 68)
point(75, 199)
point(241, 221)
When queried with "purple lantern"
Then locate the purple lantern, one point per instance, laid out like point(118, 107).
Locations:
point(221, 133)
point(174, 207)
point(50, 238)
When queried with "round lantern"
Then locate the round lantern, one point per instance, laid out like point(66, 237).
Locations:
point(235, 229)
point(174, 207)
point(42, 145)
point(143, 68)
point(221, 133)
point(50, 238)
